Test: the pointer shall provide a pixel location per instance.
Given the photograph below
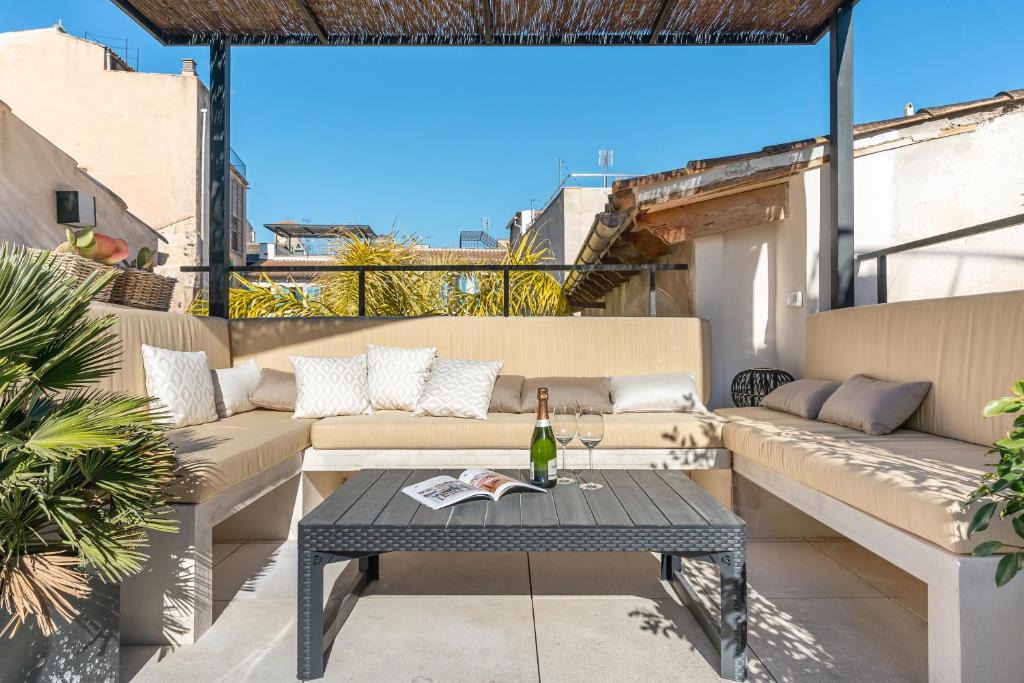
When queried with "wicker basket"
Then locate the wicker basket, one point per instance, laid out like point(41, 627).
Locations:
point(131, 287)
point(142, 289)
point(79, 269)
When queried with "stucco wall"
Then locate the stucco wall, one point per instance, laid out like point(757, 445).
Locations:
point(32, 169)
point(566, 221)
point(141, 134)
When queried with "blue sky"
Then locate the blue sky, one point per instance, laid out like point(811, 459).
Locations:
point(435, 139)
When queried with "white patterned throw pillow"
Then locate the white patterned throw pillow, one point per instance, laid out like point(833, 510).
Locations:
point(325, 387)
point(396, 375)
point(181, 383)
point(458, 388)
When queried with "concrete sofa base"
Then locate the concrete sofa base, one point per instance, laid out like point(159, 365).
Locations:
point(171, 601)
point(967, 615)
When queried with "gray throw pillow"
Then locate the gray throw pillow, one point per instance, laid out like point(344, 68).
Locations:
point(804, 397)
point(582, 392)
point(873, 406)
point(275, 391)
point(506, 397)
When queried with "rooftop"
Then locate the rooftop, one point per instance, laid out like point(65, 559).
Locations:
point(489, 22)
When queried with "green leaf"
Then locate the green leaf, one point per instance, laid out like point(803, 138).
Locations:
point(1007, 568)
point(1018, 388)
point(1007, 404)
point(987, 548)
point(1010, 444)
point(981, 518)
point(1018, 526)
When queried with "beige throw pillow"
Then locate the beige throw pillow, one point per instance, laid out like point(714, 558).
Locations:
point(582, 392)
point(804, 397)
point(873, 406)
point(507, 396)
point(275, 391)
point(233, 386)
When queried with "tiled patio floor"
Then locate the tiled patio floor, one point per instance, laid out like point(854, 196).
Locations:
point(820, 611)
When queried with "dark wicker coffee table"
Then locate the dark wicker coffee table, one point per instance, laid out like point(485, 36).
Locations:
point(637, 510)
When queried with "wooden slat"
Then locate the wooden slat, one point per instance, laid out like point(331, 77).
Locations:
point(675, 508)
point(571, 507)
point(507, 511)
point(604, 505)
point(341, 500)
point(401, 508)
point(538, 509)
point(371, 503)
point(426, 517)
point(699, 499)
point(470, 513)
point(638, 506)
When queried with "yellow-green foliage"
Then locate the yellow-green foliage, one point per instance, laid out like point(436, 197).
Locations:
point(401, 293)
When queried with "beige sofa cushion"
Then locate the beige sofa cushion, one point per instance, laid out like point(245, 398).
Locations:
point(401, 430)
point(911, 480)
point(958, 344)
point(506, 397)
point(173, 331)
point(582, 392)
point(218, 455)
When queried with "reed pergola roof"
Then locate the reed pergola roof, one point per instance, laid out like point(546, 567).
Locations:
point(484, 22)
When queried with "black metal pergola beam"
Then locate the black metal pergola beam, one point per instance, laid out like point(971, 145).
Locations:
point(836, 283)
point(220, 176)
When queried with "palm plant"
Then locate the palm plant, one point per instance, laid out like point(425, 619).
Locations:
point(82, 471)
point(264, 299)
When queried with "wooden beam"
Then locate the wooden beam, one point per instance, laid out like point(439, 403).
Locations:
point(659, 22)
point(714, 216)
point(488, 22)
point(314, 22)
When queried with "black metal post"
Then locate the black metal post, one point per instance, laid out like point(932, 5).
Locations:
point(362, 292)
point(652, 293)
point(838, 244)
point(220, 175)
point(882, 279)
point(505, 292)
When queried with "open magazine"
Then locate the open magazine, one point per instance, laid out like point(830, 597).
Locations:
point(439, 492)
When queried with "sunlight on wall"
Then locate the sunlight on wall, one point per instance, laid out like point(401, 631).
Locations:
point(760, 290)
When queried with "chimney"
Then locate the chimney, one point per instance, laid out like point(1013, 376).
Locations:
point(908, 109)
point(188, 67)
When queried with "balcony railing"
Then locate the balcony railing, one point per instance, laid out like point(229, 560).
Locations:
point(610, 268)
point(880, 255)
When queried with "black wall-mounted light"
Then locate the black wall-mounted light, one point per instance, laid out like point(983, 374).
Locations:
point(76, 209)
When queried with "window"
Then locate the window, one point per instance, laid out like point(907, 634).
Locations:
point(237, 216)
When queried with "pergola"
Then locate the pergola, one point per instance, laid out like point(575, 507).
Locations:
point(223, 23)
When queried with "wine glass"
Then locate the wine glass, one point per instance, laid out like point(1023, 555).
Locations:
point(563, 424)
point(591, 431)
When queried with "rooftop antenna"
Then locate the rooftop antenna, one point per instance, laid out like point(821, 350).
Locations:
point(605, 159)
point(485, 224)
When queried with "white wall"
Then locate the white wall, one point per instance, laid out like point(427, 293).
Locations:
point(901, 194)
point(32, 169)
point(567, 220)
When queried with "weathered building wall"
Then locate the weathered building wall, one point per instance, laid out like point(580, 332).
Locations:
point(567, 219)
point(141, 134)
point(32, 169)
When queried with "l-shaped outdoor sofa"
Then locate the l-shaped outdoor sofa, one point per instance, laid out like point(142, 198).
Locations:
point(898, 495)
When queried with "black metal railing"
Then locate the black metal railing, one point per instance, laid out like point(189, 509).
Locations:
point(880, 255)
point(650, 268)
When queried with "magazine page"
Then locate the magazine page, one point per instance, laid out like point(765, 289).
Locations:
point(439, 492)
point(494, 483)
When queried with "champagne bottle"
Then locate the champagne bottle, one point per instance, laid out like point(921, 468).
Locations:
point(543, 468)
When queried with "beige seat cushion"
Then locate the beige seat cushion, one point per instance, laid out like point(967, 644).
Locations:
point(911, 480)
point(401, 430)
point(220, 454)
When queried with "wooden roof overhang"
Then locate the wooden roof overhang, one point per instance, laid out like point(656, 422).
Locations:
point(484, 22)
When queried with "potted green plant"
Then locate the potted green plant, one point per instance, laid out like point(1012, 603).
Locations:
point(1004, 487)
point(82, 475)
